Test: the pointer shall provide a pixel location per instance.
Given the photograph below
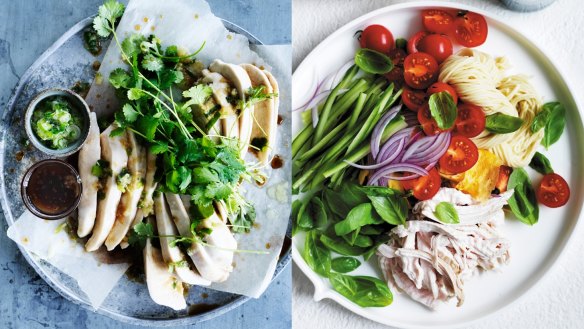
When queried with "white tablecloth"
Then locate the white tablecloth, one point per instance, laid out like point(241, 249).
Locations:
point(558, 300)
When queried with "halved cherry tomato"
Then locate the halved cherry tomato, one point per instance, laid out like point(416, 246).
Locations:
point(470, 29)
point(397, 56)
point(413, 99)
point(441, 86)
point(437, 45)
point(396, 75)
point(427, 122)
point(503, 180)
point(462, 154)
point(378, 38)
point(413, 42)
point(437, 21)
point(424, 187)
point(470, 121)
point(420, 70)
point(553, 191)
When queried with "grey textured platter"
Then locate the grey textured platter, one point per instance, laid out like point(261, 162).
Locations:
point(65, 63)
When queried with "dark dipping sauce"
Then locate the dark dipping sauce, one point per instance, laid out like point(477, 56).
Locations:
point(51, 189)
point(277, 162)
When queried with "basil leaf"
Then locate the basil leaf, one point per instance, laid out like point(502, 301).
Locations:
point(541, 119)
point(357, 240)
point(372, 61)
point(349, 196)
point(379, 240)
point(443, 109)
point(555, 125)
point(372, 230)
point(359, 216)
point(316, 256)
point(345, 264)
point(446, 213)
point(364, 291)
point(304, 221)
point(389, 204)
point(500, 123)
point(340, 246)
point(541, 164)
point(523, 203)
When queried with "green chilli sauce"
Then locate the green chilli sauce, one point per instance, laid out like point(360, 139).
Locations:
point(56, 123)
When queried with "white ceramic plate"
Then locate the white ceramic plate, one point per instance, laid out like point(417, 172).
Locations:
point(535, 249)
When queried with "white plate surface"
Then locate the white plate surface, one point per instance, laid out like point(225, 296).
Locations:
point(534, 250)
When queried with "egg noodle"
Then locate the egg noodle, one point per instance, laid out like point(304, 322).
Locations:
point(480, 79)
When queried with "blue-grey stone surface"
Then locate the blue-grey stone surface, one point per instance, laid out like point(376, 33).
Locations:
point(27, 28)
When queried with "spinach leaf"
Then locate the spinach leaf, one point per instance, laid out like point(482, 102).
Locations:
point(345, 264)
point(358, 240)
point(304, 221)
point(523, 203)
point(391, 206)
point(316, 256)
point(446, 213)
point(372, 61)
point(359, 216)
point(500, 123)
point(340, 246)
point(364, 291)
point(541, 164)
point(555, 124)
point(443, 109)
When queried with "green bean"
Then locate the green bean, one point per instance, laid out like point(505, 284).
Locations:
point(301, 139)
point(323, 143)
point(357, 111)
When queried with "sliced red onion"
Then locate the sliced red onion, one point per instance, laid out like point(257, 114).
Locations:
point(398, 167)
point(379, 128)
point(390, 146)
point(423, 147)
point(385, 162)
point(433, 153)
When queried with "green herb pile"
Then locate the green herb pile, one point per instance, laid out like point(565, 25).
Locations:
point(189, 161)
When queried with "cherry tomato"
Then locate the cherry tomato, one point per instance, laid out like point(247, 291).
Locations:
point(441, 86)
point(397, 56)
point(470, 121)
point(413, 42)
point(427, 122)
point(420, 70)
point(503, 180)
point(396, 75)
point(378, 38)
point(462, 154)
point(424, 187)
point(413, 99)
point(553, 191)
point(470, 29)
point(437, 21)
point(437, 45)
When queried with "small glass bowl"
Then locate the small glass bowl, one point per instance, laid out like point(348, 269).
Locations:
point(77, 102)
point(69, 171)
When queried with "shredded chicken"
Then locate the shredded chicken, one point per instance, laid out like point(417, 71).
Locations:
point(430, 261)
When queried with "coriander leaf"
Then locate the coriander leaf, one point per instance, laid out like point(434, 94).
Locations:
point(147, 126)
point(111, 10)
point(204, 175)
point(255, 95)
point(446, 213)
point(159, 147)
point(102, 26)
point(171, 51)
point(185, 178)
point(244, 219)
point(152, 63)
point(169, 77)
point(131, 44)
point(500, 123)
point(541, 164)
point(118, 132)
point(135, 94)
point(218, 191)
point(120, 78)
point(129, 113)
point(555, 125)
point(140, 233)
point(443, 109)
point(198, 94)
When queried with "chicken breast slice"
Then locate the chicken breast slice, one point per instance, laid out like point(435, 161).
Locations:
point(265, 113)
point(173, 255)
point(145, 205)
point(88, 157)
point(113, 150)
point(163, 286)
point(214, 260)
point(229, 121)
point(241, 80)
point(128, 206)
point(272, 134)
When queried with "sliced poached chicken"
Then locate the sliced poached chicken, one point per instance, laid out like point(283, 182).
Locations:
point(163, 286)
point(88, 157)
